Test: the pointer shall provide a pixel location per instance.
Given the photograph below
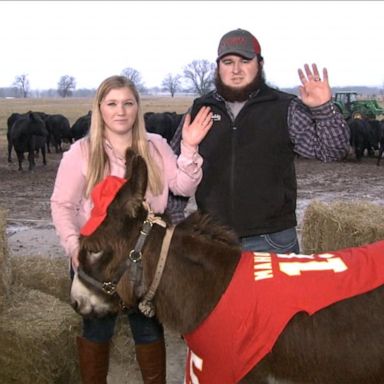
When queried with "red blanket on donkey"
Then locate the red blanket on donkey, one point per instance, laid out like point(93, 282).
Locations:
point(265, 292)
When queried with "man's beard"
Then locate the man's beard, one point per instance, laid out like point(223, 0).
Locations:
point(239, 94)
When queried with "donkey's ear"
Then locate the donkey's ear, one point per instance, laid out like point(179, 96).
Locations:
point(130, 156)
point(136, 172)
point(131, 196)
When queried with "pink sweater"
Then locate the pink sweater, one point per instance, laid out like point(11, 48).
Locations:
point(71, 209)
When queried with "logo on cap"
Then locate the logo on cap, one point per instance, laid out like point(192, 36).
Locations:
point(239, 42)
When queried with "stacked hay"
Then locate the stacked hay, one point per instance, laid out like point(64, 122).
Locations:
point(48, 275)
point(338, 225)
point(5, 270)
point(37, 333)
point(37, 329)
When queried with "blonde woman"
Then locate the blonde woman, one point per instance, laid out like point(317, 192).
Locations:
point(117, 124)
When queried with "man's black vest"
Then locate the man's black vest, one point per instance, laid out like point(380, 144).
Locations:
point(249, 180)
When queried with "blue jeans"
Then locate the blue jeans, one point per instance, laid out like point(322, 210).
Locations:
point(285, 241)
point(144, 329)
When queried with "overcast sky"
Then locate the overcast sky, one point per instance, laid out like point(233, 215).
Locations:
point(92, 40)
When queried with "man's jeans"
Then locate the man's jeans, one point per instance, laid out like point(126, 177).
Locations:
point(285, 241)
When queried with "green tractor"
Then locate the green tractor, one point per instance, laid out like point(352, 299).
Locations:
point(352, 107)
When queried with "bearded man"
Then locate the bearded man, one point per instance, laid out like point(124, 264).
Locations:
point(249, 180)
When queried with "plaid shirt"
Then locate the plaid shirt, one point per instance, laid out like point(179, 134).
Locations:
point(318, 133)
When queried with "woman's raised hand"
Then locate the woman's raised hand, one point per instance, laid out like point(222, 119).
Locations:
point(194, 132)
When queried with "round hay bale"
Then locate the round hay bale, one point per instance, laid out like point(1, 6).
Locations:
point(37, 334)
point(5, 269)
point(338, 225)
point(49, 275)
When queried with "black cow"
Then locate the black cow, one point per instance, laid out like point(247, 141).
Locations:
point(362, 138)
point(380, 134)
point(11, 120)
point(28, 133)
point(81, 126)
point(162, 123)
point(58, 130)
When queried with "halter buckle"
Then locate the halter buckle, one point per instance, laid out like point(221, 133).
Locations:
point(135, 256)
point(109, 288)
point(147, 226)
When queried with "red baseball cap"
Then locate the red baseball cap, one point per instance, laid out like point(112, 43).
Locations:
point(102, 195)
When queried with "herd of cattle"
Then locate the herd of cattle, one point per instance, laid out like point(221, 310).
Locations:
point(34, 132)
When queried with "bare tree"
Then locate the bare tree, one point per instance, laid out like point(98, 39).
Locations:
point(22, 84)
point(171, 84)
point(135, 76)
point(201, 74)
point(66, 86)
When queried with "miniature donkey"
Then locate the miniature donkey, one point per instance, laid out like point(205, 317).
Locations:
point(303, 319)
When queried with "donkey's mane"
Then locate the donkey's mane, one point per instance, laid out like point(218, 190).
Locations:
point(202, 224)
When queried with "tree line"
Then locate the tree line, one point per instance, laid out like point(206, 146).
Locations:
point(197, 78)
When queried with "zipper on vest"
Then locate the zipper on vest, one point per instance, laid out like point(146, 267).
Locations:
point(232, 174)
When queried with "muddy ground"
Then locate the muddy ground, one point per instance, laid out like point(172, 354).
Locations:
point(29, 228)
point(26, 194)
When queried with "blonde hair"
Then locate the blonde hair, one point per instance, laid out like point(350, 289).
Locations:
point(98, 162)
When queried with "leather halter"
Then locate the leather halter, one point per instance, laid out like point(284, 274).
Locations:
point(135, 255)
point(146, 306)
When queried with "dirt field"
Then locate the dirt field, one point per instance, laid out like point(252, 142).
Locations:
point(26, 197)
point(26, 194)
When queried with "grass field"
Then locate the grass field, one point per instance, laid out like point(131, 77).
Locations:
point(73, 108)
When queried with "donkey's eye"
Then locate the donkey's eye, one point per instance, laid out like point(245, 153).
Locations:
point(94, 256)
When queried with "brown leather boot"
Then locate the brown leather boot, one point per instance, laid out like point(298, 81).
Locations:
point(151, 359)
point(94, 361)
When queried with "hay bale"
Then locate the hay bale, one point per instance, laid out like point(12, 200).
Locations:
point(5, 269)
point(51, 276)
point(338, 225)
point(37, 333)
point(48, 275)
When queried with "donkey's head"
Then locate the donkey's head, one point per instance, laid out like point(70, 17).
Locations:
point(107, 242)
